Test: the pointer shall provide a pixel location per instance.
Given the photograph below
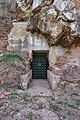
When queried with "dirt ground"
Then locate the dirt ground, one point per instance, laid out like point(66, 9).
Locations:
point(39, 102)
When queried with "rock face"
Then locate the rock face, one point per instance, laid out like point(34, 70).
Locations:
point(57, 20)
point(58, 23)
point(69, 68)
point(11, 71)
point(16, 39)
point(3, 42)
point(52, 25)
point(25, 79)
point(7, 13)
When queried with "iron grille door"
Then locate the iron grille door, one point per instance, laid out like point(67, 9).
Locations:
point(39, 66)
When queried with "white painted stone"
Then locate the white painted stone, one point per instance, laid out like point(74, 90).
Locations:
point(37, 42)
point(60, 51)
point(52, 12)
point(25, 79)
point(55, 52)
point(36, 3)
point(74, 26)
point(59, 4)
point(69, 15)
point(21, 40)
point(21, 4)
point(53, 79)
point(18, 33)
point(63, 4)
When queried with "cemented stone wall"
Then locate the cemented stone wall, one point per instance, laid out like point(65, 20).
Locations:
point(21, 40)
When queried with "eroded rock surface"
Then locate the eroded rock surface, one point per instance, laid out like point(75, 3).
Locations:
point(7, 13)
point(58, 23)
point(19, 104)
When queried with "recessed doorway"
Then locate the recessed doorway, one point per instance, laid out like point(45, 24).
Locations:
point(40, 64)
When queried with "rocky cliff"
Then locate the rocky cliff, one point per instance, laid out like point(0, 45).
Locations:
point(7, 13)
point(58, 21)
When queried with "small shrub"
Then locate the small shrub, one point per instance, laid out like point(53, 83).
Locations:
point(10, 57)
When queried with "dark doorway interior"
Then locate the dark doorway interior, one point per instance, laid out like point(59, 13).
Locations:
point(40, 64)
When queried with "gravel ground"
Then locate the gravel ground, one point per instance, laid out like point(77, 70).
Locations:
point(39, 102)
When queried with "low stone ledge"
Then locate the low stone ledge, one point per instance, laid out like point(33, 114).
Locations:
point(25, 79)
point(53, 79)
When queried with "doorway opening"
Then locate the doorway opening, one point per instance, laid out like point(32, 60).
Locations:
point(40, 64)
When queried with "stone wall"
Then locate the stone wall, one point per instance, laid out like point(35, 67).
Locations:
point(20, 40)
point(7, 13)
point(67, 68)
point(44, 25)
point(3, 42)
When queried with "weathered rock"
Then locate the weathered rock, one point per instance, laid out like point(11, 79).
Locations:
point(53, 79)
point(25, 79)
point(50, 18)
point(16, 39)
point(3, 42)
point(57, 23)
point(7, 13)
point(47, 114)
point(2, 96)
point(11, 71)
point(71, 73)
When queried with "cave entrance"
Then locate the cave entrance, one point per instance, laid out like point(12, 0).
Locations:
point(40, 64)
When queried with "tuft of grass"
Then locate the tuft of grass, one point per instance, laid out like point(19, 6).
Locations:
point(5, 85)
point(10, 57)
point(74, 94)
point(14, 93)
point(71, 106)
point(1, 115)
point(15, 112)
point(78, 103)
point(30, 115)
point(55, 107)
point(25, 96)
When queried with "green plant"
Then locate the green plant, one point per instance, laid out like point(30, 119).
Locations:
point(17, 110)
point(25, 96)
point(5, 86)
point(55, 107)
point(78, 103)
point(74, 94)
point(7, 59)
point(30, 115)
point(31, 14)
point(10, 57)
point(14, 93)
point(1, 115)
point(72, 106)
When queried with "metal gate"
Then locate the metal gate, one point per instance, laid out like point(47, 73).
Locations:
point(39, 66)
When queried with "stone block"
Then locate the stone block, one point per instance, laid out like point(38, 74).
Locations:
point(12, 41)
point(53, 79)
point(14, 47)
point(25, 79)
